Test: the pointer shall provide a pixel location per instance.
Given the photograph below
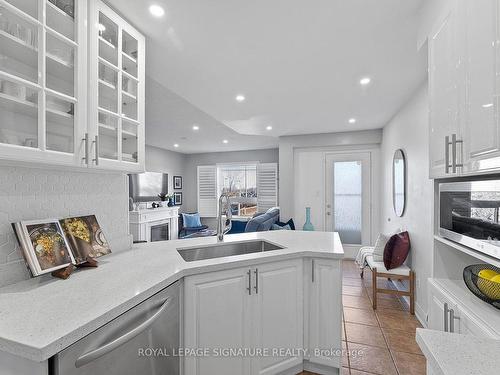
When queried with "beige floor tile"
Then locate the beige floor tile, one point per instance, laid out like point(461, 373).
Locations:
point(360, 316)
point(402, 341)
point(345, 351)
point(357, 372)
point(358, 302)
point(410, 364)
point(388, 319)
point(351, 281)
point(371, 359)
point(345, 371)
point(353, 290)
point(363, 334)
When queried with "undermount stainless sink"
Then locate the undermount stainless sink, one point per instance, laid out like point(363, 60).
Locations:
point(190, 254)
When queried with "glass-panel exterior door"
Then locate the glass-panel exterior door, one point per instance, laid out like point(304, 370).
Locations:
point(348, 197)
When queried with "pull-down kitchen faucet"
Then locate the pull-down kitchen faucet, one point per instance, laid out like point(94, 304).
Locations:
point(224, 224)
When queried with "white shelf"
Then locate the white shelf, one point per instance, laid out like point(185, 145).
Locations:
point(131, 134)
point(108, 64)
point(128, 98)
point(56, 10)
point(18, 49)
point(107, 84)
point(467, 250)
point(108, 44)
point(61, 114)
point(131, 120)
point(18, 105)
point(130, 58)
point(128, 75)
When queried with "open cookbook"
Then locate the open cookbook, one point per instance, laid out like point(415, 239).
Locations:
point(49, 245)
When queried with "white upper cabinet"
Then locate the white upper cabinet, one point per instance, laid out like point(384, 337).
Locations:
point(53, 95)
point(444, 67)
point(116, 91)
point(42, 61)
point(481, 130)
point(463, 90)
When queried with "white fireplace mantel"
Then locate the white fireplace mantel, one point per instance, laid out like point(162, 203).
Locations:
point(142, 220)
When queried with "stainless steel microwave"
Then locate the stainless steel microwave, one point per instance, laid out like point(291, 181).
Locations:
point(469, 213)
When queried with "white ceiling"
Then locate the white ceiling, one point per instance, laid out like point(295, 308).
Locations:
point(298, 63)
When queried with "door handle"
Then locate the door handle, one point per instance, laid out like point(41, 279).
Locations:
point(447, 144)
point(454, 142)
point(445, 320)
point(312, 270)
point(112, 345)
point(96, 149)
point(452, 320)
point(87, 151)
point(249, 288)
point(256, 281)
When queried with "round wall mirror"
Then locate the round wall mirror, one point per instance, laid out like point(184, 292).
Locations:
point(399, 182)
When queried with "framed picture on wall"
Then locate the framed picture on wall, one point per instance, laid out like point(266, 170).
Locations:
point(177, 198)
point(177, 182)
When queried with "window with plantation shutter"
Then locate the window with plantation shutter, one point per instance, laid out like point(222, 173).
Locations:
point(267, 186)
point(207, 191)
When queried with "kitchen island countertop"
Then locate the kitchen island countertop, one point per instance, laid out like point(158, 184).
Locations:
point(42, 316)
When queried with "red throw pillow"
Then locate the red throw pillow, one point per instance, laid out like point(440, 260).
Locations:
point(396, 250)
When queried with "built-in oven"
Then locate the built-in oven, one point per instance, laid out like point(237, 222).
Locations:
point(469, 213)
point(159, 230)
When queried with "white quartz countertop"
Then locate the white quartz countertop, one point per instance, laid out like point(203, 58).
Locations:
point(455, 354)
point(42, 316)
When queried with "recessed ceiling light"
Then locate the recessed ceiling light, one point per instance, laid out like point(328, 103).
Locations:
point(269, 127)
point(365, 81)
point(488, 105)
point(225, 141)
point(176, 145)
point(156, 10)
point(196, 127)
point(352, 121)
point(240, 98)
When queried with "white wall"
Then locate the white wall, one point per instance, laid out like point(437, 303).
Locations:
point(30, 194)
point(165, 161)
point(409, 131)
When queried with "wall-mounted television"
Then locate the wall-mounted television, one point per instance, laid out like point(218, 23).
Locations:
point(145, 187)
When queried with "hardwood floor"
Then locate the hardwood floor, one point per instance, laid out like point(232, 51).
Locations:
point(381, 341)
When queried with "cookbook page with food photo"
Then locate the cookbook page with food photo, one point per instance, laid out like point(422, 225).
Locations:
point(85, 238)
point(44, 246)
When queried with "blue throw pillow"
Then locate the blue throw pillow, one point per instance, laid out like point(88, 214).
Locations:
point(191, 220)
point(279, 227)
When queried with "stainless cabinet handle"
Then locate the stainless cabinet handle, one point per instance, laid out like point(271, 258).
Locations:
point(96, 149)
point(452, 320)
point(112, 345)
point(446, 312)
point(86, 141)
point(312, 270)
point(249, 288)
point(447, 154)
point(256, 287)
point(454, 142)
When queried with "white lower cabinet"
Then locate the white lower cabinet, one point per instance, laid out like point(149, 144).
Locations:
point(261, 307)
point(325, 305)
point(447, 313)
point(277, 316)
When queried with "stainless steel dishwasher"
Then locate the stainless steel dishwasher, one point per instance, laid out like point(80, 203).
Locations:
point(141, 341)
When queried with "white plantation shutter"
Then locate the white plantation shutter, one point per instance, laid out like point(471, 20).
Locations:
point(207, 190)
point(267, 186)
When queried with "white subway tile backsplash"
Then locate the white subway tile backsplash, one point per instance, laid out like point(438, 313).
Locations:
point(29, 194)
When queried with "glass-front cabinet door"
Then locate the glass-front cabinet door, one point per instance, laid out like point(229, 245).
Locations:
point(42, 106)
point(117, 78)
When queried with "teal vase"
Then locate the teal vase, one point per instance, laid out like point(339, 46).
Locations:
point(308, 225)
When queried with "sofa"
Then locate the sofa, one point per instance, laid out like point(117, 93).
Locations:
point(260, 222)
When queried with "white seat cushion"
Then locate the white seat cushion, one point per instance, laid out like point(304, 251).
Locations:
point(403, 270)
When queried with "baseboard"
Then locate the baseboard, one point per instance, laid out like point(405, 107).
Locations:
point(420, 314)
point(297, 369)
point(320, 369)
